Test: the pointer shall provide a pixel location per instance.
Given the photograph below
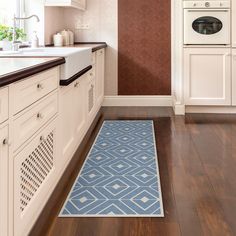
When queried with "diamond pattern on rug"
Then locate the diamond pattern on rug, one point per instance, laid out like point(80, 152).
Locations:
point(120, 176)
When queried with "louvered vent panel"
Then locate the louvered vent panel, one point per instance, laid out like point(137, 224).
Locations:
point(35, 169)
point(91, 98)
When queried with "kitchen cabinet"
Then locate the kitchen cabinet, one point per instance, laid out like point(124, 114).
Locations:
point(80, 4)
point(3, 179)
point(72, 116)
point(234, 77)
point(233, 23)
point(207, 76)
point(34, 177)
point(99, 81)
point(90, 96)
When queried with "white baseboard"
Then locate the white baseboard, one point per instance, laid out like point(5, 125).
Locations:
point(211, 109)
point(156, 101)
point(179, 109)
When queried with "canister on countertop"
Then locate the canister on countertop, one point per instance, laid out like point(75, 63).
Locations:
point(58, 40)
point(66, 37)
point(71, 37)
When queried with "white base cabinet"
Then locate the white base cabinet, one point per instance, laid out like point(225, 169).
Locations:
point(39, 136)
point(34, 175)
point(207, 76)
point(4, 179)
point(234, 76)
point(72, 117)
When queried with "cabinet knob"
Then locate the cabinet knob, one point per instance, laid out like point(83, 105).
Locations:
point(42, 138)
point(39, 115)
point(39, 86)
point(5, 141)
point(76, 85)
point(207, 4)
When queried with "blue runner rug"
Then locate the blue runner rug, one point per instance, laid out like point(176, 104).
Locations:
point(120, 176)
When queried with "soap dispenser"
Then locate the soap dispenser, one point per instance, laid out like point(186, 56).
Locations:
point(35, 40)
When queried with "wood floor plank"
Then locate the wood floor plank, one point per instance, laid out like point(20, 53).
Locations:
point(197, 159)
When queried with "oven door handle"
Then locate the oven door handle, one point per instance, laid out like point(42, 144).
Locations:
point(208, 11)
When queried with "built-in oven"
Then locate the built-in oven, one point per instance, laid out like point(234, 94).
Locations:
point(206, 23)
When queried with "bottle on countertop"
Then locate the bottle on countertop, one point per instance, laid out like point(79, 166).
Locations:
point(66, 37)
point(58, 40)
point(71, 37)
point(35, 40)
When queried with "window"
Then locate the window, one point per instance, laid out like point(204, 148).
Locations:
point(7, 10)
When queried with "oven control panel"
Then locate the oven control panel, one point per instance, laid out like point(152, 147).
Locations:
point(206, 4)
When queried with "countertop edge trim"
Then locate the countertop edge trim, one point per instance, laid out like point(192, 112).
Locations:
point(75, 77)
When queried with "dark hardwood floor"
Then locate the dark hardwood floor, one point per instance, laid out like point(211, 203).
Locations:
point(197, 161)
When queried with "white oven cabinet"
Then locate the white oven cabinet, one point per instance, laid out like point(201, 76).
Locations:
point(72, 117)
point(99, 81)
point(207, 76)
point(79, 4)
point(234, 77)
point(234, 23)
point(34, 177)
point(3, 179)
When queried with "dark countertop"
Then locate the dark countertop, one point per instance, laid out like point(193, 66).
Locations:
point(13, 69)
point(94, 46)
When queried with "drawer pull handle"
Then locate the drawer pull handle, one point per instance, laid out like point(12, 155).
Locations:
point(39, 116)
point(76, 85)
point(5, 141)
point(39, 86)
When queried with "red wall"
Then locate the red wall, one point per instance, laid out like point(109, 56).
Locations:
point(144, 57)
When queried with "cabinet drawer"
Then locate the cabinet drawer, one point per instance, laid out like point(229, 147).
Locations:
point(3, 104)
point(32, 89)
point(28, 123)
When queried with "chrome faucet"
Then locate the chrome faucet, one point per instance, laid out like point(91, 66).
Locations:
point(15, 43)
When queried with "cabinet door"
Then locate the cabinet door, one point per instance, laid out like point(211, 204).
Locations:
point(3, 180)
point(207, 76)
point(234, 77)
point(99, 82)
point(72, 117)
point(66, 114)
point(79, 108)
point(34, 177)
point(91, 102)
point(234, 23)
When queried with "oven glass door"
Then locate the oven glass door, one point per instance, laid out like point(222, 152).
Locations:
point(206, 26)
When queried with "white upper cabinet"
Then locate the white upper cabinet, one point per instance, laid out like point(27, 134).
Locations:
point(80, 4)
point(234, 23)
point(207, 76)
point(234, 77)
